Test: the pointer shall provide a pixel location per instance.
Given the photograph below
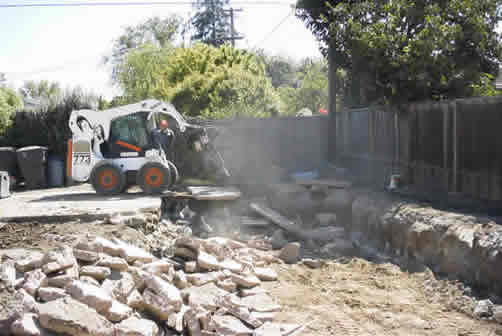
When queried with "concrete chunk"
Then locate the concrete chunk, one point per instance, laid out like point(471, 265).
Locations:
point(180, 280)
point(60, 281)
point(114, 263)
point(27, 325)
point(264, 317)
point(200, 279)
point(47, 294)
point(121, 288)
point(158, 267)
point(252, 291)
point(191, 323)
point(32, 261)
point(71, 317)
point(134, 326)
point(135, 300)
point(156, 305)
point(189, 242)
point(117, 312)
point(100, 245)
point(34, 280)
point(260, 303)
point(231, 265)
point(204, 296)
point(94, 297)
point(132, 253)
point(246, 281)
point(89, 280)
point(185, 253)
point(229, 326)
point(190, 267)
point(169, 293)
point(7, 274)
point(265, 274)
point(96, 272)
point(227, 285)
point(87, 256)
point(58, 259)
point(207, 262)
point(234, 307)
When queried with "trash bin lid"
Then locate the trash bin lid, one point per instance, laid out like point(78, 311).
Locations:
point(28, 148)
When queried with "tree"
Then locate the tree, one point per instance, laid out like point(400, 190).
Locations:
point(211, 22)
point(156, 31)
point(9, 103)
point(3, 79)
point(41, 89)
point(312, 90)
point(281, 70)
point(200, 80)
point(399, 51)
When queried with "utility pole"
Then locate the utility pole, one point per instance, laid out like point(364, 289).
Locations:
point(233, 37)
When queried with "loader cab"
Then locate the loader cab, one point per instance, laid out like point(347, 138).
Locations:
point(130, 136)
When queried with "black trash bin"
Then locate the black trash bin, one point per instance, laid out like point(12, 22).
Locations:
point(8, 161)
point(33, 163)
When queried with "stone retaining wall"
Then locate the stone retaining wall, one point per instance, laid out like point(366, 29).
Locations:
point(465, 247)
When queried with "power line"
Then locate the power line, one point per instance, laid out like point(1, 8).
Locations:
point(273, 30)
point(136, 3)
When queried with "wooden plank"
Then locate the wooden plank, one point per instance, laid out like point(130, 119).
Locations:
point(322, 234)
point(207, 193)
point(324, 182)
point(276, 218)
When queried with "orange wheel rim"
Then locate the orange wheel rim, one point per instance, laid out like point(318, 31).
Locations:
point(107, 179)
point(154, 177)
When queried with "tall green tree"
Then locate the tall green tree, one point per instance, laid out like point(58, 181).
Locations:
point(401, 50)
point(200, 80)
point(156, 31)
point(211, 23)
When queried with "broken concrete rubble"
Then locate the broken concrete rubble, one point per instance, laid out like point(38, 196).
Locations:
point(93, 289)
point(97, 272)
point(93, 296)
point(34, 280)
point(71, 317)
point(47, 294)
point(27, 325)
point(32, 261)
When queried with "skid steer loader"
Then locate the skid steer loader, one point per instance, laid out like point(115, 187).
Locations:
point(116, 148)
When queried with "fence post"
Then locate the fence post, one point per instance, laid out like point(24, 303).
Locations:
point(332, 104)
point(446, 118)
point(455, 146)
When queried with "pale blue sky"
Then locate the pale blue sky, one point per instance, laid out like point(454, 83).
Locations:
point(67, 43)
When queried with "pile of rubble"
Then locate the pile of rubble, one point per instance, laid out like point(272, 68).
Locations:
point(109, 287)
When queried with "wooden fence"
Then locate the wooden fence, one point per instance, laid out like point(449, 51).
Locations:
point(446, 147)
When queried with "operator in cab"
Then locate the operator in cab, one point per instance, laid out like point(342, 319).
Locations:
point(163, 136)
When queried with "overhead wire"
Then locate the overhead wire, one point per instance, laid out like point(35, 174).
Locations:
point(135, 3)
point(266, 37)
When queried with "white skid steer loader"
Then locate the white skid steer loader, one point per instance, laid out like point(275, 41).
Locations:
point(115, 148)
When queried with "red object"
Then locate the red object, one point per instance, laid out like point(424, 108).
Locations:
point(128, 146)
point(323, 111)
point(163, 124)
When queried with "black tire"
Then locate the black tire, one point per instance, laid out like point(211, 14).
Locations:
point(175, 175)
point(108, 179)
point(153, 177)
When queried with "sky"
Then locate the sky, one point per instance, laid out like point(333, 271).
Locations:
point(67, 44)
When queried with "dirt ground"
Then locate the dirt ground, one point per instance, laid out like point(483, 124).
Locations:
point(346, 296)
